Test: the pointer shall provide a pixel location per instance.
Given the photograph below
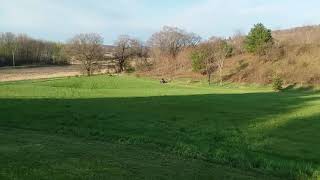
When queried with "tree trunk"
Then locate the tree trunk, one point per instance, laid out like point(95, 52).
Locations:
point(220, 74)
point(209, 78)
point(13, 59)
point(121, 66)
point(88, 71)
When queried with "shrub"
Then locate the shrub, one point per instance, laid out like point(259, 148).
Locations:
point(197, 61)
point(258, 39)
point(143, 65)
point(228, 49)
point(211, 56)
point(275, 52)
point(277, 83)
point(242, 65)
point(130, 69)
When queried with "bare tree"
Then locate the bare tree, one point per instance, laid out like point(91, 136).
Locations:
point(221, 51)
point(21, 49)
point(87, 48)
point(126, 49)
point(237, 41)
point(139, 49)
point(122, 51)
point(171, 40)
point(10, 42)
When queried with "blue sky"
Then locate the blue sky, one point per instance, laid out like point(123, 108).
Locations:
point(61, 19)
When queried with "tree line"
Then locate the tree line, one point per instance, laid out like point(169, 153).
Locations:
point(168, 42)
point(21, 49)
point(206, 56)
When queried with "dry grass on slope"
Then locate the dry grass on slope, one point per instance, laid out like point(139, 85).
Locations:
point(295, 58)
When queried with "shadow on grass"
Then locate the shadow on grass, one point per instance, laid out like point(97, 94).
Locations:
point(301, 89)
point(210, 127)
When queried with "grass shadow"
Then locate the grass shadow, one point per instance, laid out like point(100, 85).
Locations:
point(300, 89)
point(213, 127)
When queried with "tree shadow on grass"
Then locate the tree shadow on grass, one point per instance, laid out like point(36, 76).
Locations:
point(300, 89)
point(213, 127)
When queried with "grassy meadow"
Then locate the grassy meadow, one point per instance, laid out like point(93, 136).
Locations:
point(125, 127)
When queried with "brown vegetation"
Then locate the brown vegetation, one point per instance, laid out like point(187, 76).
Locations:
point(38, 72)
point(294, 57)
point(88, 49)
point(126, 49)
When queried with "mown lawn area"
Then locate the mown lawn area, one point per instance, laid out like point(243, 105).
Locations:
point(124, 127)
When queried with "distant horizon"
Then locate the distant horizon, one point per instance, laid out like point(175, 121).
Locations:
point(112, 43)
point(58, 20)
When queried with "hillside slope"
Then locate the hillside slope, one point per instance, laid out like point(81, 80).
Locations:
point(299, 63)
point(295, 58)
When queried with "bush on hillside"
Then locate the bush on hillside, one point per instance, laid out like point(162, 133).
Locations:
point(277, 83)
point(197, 61)
point(258, 39)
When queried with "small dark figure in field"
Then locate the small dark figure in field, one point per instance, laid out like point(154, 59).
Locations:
point(163, 81)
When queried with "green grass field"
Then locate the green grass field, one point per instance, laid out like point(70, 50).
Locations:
point(124, 127)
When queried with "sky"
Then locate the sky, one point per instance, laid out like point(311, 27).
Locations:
point(59, 20)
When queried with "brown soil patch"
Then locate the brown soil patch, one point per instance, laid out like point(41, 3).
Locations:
point(26, 73)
